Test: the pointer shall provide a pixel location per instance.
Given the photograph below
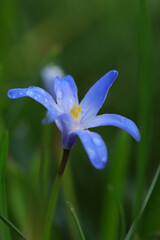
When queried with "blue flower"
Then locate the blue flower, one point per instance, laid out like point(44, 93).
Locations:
point(74, 119)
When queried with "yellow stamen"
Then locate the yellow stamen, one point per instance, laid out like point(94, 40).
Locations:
point(75, 112)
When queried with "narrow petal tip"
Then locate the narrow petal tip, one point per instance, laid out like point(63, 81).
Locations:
point(101, 163)
point(11, 94)
point(137, 136)
point(115, 73)
point(17, 93)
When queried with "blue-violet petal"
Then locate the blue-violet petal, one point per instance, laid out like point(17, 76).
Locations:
point(117, 121)
point(66, 92)
point(96, 95)
point(38, 94)
point(94, 146)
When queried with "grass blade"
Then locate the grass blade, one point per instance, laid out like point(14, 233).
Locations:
point(145, 110)
point(121, 212)
point(134, 225)
point(45, 161)
point(76, 220)
point(3, 200)
point(68, 190)
point(150, 220)
point(117, 179)
point(12, 226)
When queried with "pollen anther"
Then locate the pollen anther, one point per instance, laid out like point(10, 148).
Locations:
point(75, 112)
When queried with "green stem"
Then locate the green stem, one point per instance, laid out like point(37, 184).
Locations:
point(54, 196)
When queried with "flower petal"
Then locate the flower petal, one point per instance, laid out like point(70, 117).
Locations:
point(48, 74)
point(96, 95)
point(64, 123)
point(117, 121)
point(68, 140)
point(37, 94)
point(49, 118)
point(94, 146)
point(66, 92)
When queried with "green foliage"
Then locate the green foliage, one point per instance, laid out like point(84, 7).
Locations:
point(3, 199)
point(14, 228)
point(132, 230)
point(113, 220)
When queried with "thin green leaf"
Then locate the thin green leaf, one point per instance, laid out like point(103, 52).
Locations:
point(117, 179)
point(76, 220)
point(68, 191)
point(3, 200)
point(145, 109)
point(150, 221)
point(134, 225)
point(12, 226)
point(44, 164)
point(121, 212)
point(51, 207)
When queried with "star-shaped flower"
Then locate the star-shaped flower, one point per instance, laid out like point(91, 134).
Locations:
point(74, 119)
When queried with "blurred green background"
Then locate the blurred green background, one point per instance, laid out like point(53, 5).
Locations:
point(86, 39)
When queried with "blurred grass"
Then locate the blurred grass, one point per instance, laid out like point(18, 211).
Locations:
point(3, 197)
point(69, 195)
point(145, 110)
point(112, 225)
point(85, 38)
point(81, 234)
point(132, 230)
point(151, 218)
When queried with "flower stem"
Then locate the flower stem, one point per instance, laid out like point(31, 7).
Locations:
point(63, 162)
point(54, 195)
